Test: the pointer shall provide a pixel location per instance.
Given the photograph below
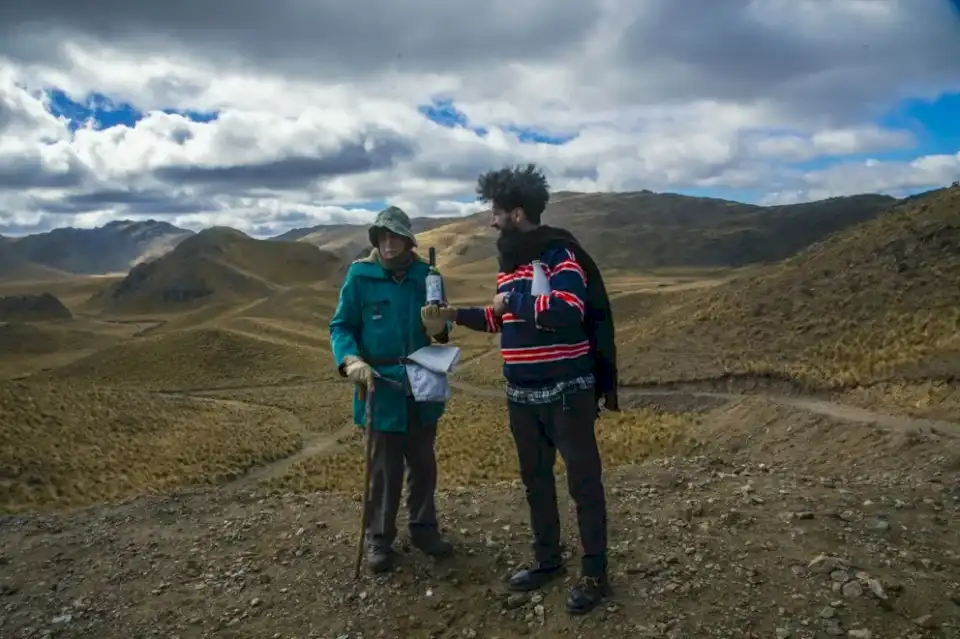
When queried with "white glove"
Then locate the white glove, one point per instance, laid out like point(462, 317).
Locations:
point(358, 371)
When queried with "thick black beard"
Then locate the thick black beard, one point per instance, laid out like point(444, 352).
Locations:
point(516, 247)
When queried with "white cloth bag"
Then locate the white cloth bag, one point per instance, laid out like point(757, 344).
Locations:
point(427, 371)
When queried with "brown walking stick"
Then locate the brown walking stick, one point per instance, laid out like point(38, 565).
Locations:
point(368, 445)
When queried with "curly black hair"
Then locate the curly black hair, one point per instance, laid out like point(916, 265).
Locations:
point(516, 187)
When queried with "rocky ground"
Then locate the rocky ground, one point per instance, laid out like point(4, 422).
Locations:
point(783, 525)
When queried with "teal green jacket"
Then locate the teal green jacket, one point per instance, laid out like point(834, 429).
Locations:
point(379, 318)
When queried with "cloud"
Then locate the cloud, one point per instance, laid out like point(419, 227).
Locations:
point(267, 115)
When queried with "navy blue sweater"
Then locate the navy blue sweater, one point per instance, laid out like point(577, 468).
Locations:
point(542, 338)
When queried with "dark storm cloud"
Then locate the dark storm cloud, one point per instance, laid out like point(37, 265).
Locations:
point(126, 202)
point(30, 173)
point(321, 37)
point(726, 50)
point(296, 172)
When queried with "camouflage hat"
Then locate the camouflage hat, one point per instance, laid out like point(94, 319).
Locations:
point(394, 220)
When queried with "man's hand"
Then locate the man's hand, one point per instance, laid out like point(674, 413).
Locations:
point(435, 318)
point(500, 304)
point(358, 371)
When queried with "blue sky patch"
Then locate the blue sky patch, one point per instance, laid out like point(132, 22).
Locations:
point(443, 112)
point(934, 123)
point(105, 113)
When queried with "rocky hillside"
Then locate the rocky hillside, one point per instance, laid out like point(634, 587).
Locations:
point(218, 263)
point(112, 248)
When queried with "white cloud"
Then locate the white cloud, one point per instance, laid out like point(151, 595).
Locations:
point(319, 104)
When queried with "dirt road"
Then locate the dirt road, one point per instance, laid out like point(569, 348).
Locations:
point(842, 412)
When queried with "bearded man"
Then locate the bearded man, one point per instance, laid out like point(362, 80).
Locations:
point(559, 363)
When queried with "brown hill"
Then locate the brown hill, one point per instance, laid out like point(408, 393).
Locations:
point(199, 358)
point(32, 308)
point(218, 264)
point(15, 269)
point(645, 230)
point(878, 302)
point(112, 248)
point(350, 241)
point(638, 230)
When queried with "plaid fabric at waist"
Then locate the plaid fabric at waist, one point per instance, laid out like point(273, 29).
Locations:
point(547, 394)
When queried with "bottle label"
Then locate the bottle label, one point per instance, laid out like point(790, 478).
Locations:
point(434, 289)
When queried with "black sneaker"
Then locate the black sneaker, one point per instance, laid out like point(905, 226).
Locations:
point(380, 558)
point(535, 578)
point(587, 593)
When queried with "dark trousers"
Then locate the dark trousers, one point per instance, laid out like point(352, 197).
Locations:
point(390, 454)
point(567, 425)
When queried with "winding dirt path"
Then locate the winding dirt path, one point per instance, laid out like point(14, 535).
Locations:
point(316, 444)
point(842, 412)
point(330, 442)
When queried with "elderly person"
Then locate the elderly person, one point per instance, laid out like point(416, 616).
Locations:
point(377, 323)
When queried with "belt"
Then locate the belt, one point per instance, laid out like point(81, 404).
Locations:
point(386, 361)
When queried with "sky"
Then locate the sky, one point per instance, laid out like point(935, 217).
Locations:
point(267, 115)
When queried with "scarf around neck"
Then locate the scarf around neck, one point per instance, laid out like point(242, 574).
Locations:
point(396, 267)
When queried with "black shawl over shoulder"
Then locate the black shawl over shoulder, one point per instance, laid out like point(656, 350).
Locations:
point(517, 249)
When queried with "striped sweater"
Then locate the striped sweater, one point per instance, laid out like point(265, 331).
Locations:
point(542, 338)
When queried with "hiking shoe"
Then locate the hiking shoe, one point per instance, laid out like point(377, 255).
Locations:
point(432, 544)
point(380, 559)
point(587, 593)
point(535, 578)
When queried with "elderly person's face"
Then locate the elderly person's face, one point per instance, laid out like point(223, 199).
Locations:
point(391, 245)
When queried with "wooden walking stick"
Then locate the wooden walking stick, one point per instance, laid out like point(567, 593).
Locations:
point(368, 445)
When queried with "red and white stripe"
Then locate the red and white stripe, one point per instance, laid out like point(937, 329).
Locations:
point(570, 264)
point(521, 273)
point(493, 323)
point(543, 354)
point(570, 299)
point(542, 302)
point(525, 272)
point(510, 318)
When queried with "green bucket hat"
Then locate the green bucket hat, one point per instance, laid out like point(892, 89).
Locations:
point(394, 220)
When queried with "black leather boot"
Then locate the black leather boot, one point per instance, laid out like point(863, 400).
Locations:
point(431, 542)
point(587, 593)
point(380, 558)
point(535, 578)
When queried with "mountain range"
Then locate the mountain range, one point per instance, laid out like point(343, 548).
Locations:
point(629, 230)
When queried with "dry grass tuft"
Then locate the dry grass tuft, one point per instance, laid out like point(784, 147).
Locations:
point(321, 406)
point(64, 446)
point(199, 358)
point(474, 446)
point(876, 303)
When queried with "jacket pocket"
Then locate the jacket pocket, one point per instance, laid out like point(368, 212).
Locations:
point(379, 326)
